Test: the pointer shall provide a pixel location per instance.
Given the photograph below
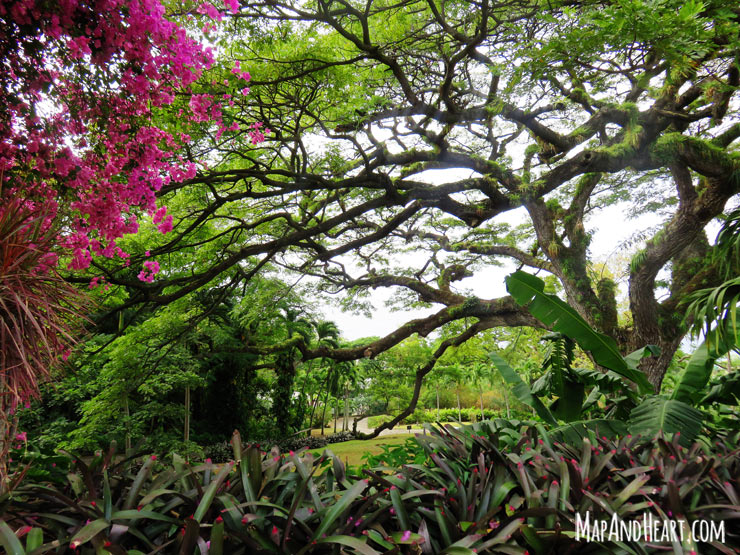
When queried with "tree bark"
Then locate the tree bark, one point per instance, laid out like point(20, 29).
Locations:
point(187, 413)
point(482, 414)
point(345, 424)
point(127, 416)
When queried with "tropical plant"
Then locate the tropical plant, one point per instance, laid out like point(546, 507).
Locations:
point(647, 415)
point(713, 310)
point(39, 313)
point(500, 486)
point(555, 111)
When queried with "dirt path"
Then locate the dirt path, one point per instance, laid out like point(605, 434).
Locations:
point(362, 426)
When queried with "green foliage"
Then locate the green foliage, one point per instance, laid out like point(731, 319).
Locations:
point(500, 486)
point(521, 390)
point(669, 415)
point(647, 415)
point(528, 291)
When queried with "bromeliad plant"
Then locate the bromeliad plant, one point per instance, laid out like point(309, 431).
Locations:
point(498, 487)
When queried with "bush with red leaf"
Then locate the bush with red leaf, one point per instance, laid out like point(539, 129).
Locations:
point(38, 311)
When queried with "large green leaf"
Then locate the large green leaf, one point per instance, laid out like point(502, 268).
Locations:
point(333, 512)
point(210, 492)
point(725, 390)
point(521, 389)
point(569, 405)
point(694, 378)
point(10, 541)
point(659, 414)
point(529, 291)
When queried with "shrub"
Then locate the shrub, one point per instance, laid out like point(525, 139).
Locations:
point(500, 486)
point(223, 451)
point(37, 308)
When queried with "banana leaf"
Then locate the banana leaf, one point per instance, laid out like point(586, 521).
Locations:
point(521, 390)
point(695, 377)
point(528, 290)
point(660, 414)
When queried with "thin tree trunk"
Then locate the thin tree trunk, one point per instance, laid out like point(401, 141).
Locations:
point(480, 392)
point(459, 409)
point(310, 418)
point(186, 434)
point(323, 415)
point(127, 416)
point(336, 414)
point(438, 402)
point(345, 425)
point(506, 402)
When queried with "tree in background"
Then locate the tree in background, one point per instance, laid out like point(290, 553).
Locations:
point(556, 110)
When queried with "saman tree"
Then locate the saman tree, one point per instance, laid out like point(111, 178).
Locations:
point(554, 108)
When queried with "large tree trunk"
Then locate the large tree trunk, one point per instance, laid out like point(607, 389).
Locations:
point(681, 243)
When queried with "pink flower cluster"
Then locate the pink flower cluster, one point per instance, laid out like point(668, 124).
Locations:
point(151, 268)
point(76, 140)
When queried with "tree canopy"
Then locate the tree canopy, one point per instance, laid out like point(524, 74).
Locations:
point(553, 108)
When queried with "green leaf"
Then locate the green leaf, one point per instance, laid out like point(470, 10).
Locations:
point(574, 432)
point(107, 498)
point(138, 483)
point(88, 532)
point(210, 493)
point(569, 406)
point(338, 508)
point(400, 507)
point(356, 544)
point(9, 540)
point(634, 358)
point(34, 539)
point(217, 538)
point(521, 390)
point(658, 414)
point(528, 290)
point(694, 378)
point(133, 514)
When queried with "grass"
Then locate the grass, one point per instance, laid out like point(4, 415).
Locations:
point(351, 452)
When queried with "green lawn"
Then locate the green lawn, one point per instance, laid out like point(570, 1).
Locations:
point(351, 452)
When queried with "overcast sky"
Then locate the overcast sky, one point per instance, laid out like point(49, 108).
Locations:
point(610, 231)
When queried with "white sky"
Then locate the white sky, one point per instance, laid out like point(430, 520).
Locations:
point(610, 231)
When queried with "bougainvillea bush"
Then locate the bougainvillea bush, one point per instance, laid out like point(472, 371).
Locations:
point(96, 101)
point(497, 488)
point(80, 83)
